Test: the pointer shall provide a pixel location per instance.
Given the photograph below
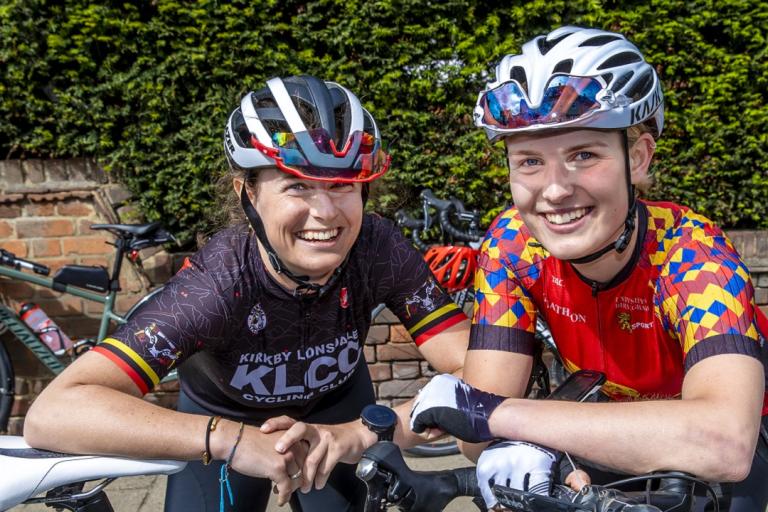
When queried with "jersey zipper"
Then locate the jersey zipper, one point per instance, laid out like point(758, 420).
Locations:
point(595, 289)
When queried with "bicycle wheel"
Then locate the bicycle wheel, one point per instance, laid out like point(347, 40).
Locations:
point(437, 449)
point(6, 388)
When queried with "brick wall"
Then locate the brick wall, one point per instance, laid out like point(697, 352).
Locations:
point(46, 208)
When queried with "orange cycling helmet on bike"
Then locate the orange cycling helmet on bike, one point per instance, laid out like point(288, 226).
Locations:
point(453, 266)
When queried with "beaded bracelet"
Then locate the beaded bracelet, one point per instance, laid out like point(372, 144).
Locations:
point(212, 423)
point(224, 473)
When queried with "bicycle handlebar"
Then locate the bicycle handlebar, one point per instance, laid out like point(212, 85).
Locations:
point(447, 211)
point(440, 204)
point(11, 260)
point(391, 482)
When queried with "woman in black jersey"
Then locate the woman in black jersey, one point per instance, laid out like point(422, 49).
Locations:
point(266, 323)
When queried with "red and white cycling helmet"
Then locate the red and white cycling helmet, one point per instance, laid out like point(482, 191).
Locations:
point(453, 266)
point(572, 77)
point(307, 128)
point(269, 130)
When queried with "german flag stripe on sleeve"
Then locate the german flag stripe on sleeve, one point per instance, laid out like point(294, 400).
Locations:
point(436, 322)
point(130, 362)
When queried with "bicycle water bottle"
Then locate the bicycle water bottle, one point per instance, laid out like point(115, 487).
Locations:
point(45, 328)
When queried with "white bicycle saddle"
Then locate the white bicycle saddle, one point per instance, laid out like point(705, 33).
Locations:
point(26, 472)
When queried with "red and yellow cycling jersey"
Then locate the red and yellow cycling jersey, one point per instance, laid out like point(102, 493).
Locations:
point(684, 296)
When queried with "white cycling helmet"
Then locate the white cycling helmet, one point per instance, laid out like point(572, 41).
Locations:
point(572, 77)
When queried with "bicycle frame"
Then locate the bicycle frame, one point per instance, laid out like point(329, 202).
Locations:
point(108, 300)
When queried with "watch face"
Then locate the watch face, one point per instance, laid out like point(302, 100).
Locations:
point(379, 416)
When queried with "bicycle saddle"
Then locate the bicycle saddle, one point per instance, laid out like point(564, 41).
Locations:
point(26, 472)
point(134, 229)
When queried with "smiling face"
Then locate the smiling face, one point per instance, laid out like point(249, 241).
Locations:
point(311, 225)
point(570, 187)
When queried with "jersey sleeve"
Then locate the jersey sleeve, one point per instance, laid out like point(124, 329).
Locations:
point(410, 290)
point(504, 315)
point(187, 315)
point(706, 298)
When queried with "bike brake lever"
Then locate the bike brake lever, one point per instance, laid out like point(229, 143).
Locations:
point(377, 483)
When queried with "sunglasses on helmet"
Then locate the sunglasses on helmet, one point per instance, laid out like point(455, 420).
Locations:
point(313, 155)
point(565, 99)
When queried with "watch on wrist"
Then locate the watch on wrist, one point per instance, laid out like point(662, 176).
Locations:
point(380, 420)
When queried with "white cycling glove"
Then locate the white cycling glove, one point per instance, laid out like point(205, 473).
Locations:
point(516, 464)
point(453, 406)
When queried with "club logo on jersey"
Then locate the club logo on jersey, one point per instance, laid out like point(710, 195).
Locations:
point(625, 321)
point(424, 298)
point(158, 346)
point(257, 320)
point(344, 298)
point(626, 324)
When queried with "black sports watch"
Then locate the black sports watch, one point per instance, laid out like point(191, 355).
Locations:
point(380, 420)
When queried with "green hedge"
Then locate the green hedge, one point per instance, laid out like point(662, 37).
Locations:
point(146, 87)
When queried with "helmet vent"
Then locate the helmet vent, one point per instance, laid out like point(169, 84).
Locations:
point(546, 45)
point(564, 66)
point(600, 40)
point(517, 74)
point(620, 59)
point(621, 81)
point(642, 86)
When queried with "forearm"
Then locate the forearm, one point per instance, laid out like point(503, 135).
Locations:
point(97, 419)
point(635, 437)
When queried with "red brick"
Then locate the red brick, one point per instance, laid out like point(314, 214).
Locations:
point(56, 263)
point(20, 405)
point(10, 211)
point(380, 371)
point(129, 280)
point(93, 308)
point(75, 208)
point(397, 352)
point(79, 327)
point(399, 334)
point(85, 245)
point(401, 388)
point(66, 305)
point(44, 228)
point(84, 227)
point(6, 229)
point(44, 209)
point(407, 370)
point(46, 247)
point(21, 386)
point(427, 370)
point(15, 426)
point(17, 247)
point(126, 301)
point(761, 295)
point(36, 386)
point(370, 354)
point(97, 261)
point(17, 289)
point(377, 335)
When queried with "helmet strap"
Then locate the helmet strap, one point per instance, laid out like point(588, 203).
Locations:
point(622, 242)
point(304, 286)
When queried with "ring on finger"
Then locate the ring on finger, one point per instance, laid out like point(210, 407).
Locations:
point(296, 475)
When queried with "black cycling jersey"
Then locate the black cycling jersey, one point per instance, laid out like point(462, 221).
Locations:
point(247, 347)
